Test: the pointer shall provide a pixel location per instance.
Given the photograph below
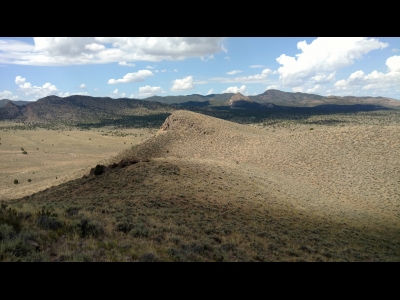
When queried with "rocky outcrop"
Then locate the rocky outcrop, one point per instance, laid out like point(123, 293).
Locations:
point(238, 97)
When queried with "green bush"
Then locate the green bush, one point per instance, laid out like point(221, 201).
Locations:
point(15, 181)
point(29, 180)
point(72, 211)
point(86, 228)
point(139, 231)
point(48, 220)
point(11, 217)
point(24, 152)
point(124, 227)
point(15, 250)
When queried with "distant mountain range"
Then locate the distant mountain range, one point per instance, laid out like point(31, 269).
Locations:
point(92, 109)
point(3, 102)
point(74, 109)
point(277, 97)
point(192, 98)
point(308, 100)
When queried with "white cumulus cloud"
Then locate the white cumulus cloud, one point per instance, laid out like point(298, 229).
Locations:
point(124, 63)
point(147, 91)
point(324, 78)
point(183, 84)
point(37, 91)
point(66, 94)
point(374, 80)
point(297, 89)
point(393, 63)
point(235, 89)
point(272, 87)
point(94, 47)
point(55, 51)
point(5, 94)
point(83, 86)
point(314, 89)
point(257, 78)
point(132, 77)
point(323, 55)
point(211, 91)
point(115, 91)
point(233, 72)
point(15, 46)
point(254, 78)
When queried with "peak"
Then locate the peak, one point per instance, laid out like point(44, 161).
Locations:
point(238, 97)
point(187, 121)
point(272, 91)
point(10, 104)
point(48, 98)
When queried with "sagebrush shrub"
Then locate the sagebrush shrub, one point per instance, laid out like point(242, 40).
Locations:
point(148, 257)
point(87, 228)
point(7, 232)
point(11, 217)
point(48, 220)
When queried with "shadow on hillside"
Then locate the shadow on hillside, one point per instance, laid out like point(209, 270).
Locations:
point(243, 116)
point(149, 121)
point(250, 116)
point(192, 104)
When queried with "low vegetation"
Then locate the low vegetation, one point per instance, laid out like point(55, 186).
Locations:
point(180, 229)
point(268, 191)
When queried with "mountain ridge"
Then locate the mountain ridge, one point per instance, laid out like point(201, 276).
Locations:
point(79, 108)
point(3, 102)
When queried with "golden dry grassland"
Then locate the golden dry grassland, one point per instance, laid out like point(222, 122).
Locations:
point(55, 156)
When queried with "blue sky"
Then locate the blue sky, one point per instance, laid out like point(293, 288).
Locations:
point(32, 68)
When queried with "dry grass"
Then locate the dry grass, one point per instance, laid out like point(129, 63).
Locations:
point(65, 154)
point(210, 190)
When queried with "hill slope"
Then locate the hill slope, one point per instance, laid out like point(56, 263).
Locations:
point(209, 189)
point(3, 102)
point(78, 109)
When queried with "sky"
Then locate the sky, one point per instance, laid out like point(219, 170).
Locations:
point(140, 67)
